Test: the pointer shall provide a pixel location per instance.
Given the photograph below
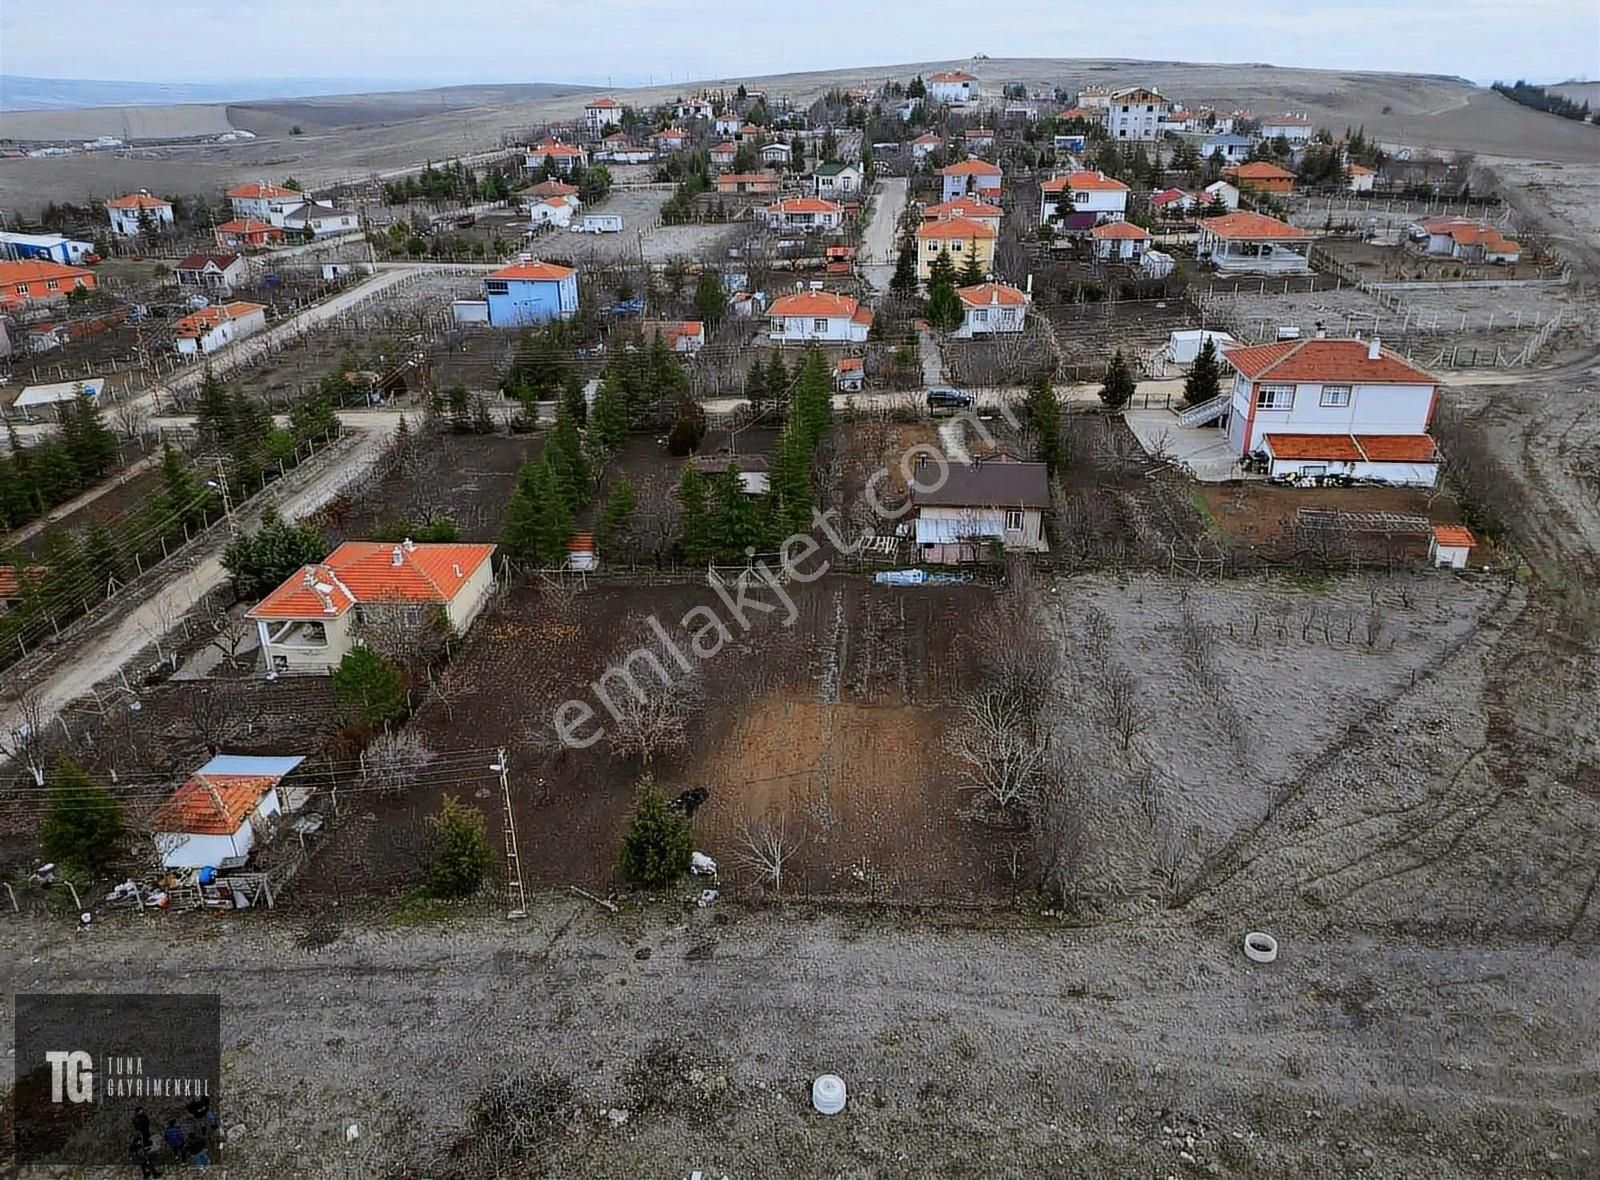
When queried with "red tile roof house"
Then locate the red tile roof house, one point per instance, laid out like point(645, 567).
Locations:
point(1322, 407)
point(247, 233)
point(212, 272)
point(988, 308)
point(1120, 240)
point(265, 202)
point(563, 157)
point(1253, 243)
point(804, 213)
point(977, 178)
point(821, 316)
point(682, 336)
point(219, 815)
point(1089, 198)
point(217, 326)
point(309, 623)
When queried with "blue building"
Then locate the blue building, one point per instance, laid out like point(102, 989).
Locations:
point(46, 247)
point(530, 293)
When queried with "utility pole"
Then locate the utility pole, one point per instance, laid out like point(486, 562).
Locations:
point(516, 895)
point(221, 484)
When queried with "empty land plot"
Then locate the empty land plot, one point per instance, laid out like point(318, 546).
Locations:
point(831, 724)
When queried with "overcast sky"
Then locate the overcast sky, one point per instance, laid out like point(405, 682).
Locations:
point(615, 42)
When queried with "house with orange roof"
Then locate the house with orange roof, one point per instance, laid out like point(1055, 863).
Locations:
point(670, 139)
point(682, 336)
point(728, 123)
point(601, 114)
point(265, 202)
point(953, 86)
point(724, 154)
point(563, 157)
point(1120, 241)
point(810, 314)
point(224, 811)
point(138, 213)
point(1322, 407)
point(1078, 201)
point(1450, 545)
point(989, 308)
point(33, 281)
point(730, 183)
point(976, 178)
point(924, 146)
point(205, 331)
point(969, 207)
point(1258, 176)
point(850, 374)
point(805, 213)
point(1253, 243)
point(314, 619)
point(1360, 178)
point(527, 292)
point(244, 233)
point(959, 237)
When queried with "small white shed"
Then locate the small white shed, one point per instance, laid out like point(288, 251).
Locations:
point(1451, 545)
point(37, 396)
point(1184, 345)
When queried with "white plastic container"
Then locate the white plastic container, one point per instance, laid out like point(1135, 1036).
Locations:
point(828, 1094)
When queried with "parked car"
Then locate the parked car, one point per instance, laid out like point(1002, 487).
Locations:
point(942, 397)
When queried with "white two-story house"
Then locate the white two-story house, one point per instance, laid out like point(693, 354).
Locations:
point(1093, 197)
point(952, 86)
point(1323, 407)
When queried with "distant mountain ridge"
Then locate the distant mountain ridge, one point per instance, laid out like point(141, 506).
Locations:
point(22, 93)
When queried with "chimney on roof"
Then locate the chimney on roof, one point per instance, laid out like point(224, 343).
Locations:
point(1030, 284)
point(410, 545)
point(325, 592)
point(397, 557)
point(1372, 348)
point(456, 569)
point(1322, 333)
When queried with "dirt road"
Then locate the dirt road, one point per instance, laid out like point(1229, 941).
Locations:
point(690, 1038)
point(100, 651)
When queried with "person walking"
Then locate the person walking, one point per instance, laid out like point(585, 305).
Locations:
point(175, 1140)
point(139, 1153)
point(141, 1124)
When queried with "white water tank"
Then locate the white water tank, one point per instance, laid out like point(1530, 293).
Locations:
point(827, 1094)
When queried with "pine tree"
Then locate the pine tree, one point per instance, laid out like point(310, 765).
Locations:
point(813, 396)
point(101, 555)
point(777, 380)
point(944, 305)
point(1204, 381)
point(710, 299)
point(461, 856)
point(694, 519)
point(538, 523)
point(656, 849)
point(185, 497)
point(972, 272)
point(213, 420)
point(789, 484)
point(737, 526)
point(616, 518)
point(460, 408)
point(755, 387)
point(90, 445)
point(1118, 388)
point(904, 282)
point(368, 686)
point(1044, 415)
point(608, 419)
point(84, 823)
point(564, 454)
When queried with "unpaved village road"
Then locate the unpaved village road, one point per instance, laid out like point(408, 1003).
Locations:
point(1013, 1051)
point(101, 651)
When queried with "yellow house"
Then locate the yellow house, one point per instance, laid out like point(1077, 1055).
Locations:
point(962, 237)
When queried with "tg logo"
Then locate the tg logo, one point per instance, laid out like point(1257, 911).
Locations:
point(71, 1076)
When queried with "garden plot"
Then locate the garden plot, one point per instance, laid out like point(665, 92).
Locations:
point(829, 728)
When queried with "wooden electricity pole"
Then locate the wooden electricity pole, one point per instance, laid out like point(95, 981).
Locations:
point(516, 895)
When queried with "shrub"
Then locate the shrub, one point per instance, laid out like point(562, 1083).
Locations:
point(658, 844)
point(84, 823)
point(461, 855)
point(369, 687)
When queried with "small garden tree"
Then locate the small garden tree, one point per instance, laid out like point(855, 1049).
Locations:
point(1117, 391)
point(260, 561)
point(84, 824)
point(616, 518)
point(368, 686)
point(1204, 381)
point(1044, 417)
point(658, 843)
point(461, 856)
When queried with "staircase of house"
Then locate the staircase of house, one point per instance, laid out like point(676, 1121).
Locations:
point(1208, 411)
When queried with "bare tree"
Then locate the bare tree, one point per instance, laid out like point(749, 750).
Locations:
point(765, 847)
point(131, 418)
point(994, 738)
point(651, 716)
point(394, 760)
point(231, 633)
point(404, 633)
point(212, 714)
point(1121, 708)
point(28, 742)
